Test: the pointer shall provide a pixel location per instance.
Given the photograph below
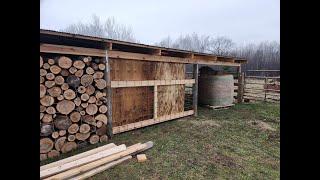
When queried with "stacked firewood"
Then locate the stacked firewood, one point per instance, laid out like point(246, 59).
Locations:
point(72, 103)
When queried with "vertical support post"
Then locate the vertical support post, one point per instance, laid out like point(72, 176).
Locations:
point(241, 85)
point(108, 90)
point(265, 88)
point(195, 89)
point(155, 102)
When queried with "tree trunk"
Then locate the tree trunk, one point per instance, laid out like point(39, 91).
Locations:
point(65, 107)
point(79, 64)
point(92, 109)
point(94, 139)
point(43, 90)
point(55, 91)
point(82, 137)
point(75, 116)
point(86, 80)
point(64, 62)
point(46, 144)
point(47, 101)
point(69, 94)
point(84, 128)
point(59, 80)
point(55, 69)
point(62, 122)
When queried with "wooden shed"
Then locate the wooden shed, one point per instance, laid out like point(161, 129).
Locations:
point(145, 84)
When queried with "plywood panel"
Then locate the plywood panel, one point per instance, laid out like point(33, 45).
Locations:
point(169, 71)
point(170, 99)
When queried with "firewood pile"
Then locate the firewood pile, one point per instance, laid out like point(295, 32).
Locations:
point(73, 104)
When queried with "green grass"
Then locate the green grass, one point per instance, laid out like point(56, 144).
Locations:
point(218, 144)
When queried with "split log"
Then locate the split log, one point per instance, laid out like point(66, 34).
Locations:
point(94, 66)
point(98, 75)
point(55, 91)
point(62, 132)
point(46, 66)
point(41, 115)
point(102, 131)
point(65, 106)
point(81, 89)
point(64, 86)
point(82, 113)
point(59, 143)
point(47, 101)
point(43, 72)
point(99, 124)
point(79, 73)
point(43, 157)
point(92, 109)
point(43, 90)
point(84, 128)
point(45, 129)
point(92, 99)
point(73, 128)
point(89, 70)
point(69, 94)
point(102, 117)
point(53, 153)
point(51, 61)
point(103, 109)
point(73, 70)
point(90, 89)
point(99, 95)
point(42, 79)
point(77, 101)
point(86, 80)
point(75, 116)
point(50, 76)
point(85, 97)
point(41, 62)
point(102, 67)
point(55, 69)
point(62, 122)
point(49, 84)
point(103, 138)
point(141, 157)
point(84, 105)
point(46, 144)
point(71, 137)
point(64, 62)
point(89, 119)
point(101, 83)
point(42, 108)
point(82, 136)
point(59, 80)
point(69, 146)
point(47, 118)
point(73, 81)
point(51, 110)
point(79, 64)
point(60, 97)
point(55, 135)
point(94, 139)
point(64, 72)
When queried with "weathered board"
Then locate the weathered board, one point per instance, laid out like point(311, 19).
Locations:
point(170, 99)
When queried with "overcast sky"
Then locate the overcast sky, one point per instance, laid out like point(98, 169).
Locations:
point(151, 20)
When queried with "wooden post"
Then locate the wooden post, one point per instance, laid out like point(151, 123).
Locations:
point(195, 89)
point(155, 102)
point(240, 86)
point(265, 91)
point(109, 96)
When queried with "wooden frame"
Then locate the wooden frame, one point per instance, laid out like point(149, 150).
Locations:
point(118, 84)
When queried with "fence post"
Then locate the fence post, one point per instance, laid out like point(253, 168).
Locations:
point(195, 89)
point(265, 88)
point(240, 87)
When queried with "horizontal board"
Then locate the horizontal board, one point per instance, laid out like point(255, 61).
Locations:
point(116, 84)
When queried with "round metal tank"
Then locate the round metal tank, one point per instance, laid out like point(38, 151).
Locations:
point(216, 90)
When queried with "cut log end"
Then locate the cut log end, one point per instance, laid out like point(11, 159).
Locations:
point(46, 144)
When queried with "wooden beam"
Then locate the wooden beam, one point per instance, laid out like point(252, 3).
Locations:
point(109, 46)
point(195, 89)
point(140, 124)
point(60, 49)
point(117, 84)
point(108, 90)
point(155, 102)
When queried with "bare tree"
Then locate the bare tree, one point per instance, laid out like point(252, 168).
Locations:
point(221, 45)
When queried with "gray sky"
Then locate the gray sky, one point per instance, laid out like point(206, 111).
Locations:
point(243, 21)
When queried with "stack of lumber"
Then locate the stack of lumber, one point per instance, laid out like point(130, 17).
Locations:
point(72, 103)
point(89, 163)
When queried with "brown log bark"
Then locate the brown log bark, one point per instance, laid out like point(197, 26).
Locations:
point(47, 101)
point(85, 97)
point(51, 110)
point(77, 101)
point(42, 79)
point(55, 91)
point(73, 70)
point(89, 70)
point(43, 157)
point(81, 89)
point(92, 99)
point(95, 66)
point(41, 62)
point(46, 144)
point(65, 106)
point(99, 124)
point(47, 118)
point(79, 73)
point(102, 131)
point(94, 139)
point(71, 137)
point(42, 108)
point(64, 86)
point(51, 61)
point(46, 66)
point(102, 67)
point(92, 109)
point(55, 69)
point(98, 75)
point(59, 80)
point(69, 94)
point(60, 97)
point(82, 136)
point(64, 62)
point(89, 119)
point(79, 64)
point(59, 143)
point(50, 76)
point(73, 128)
point(84, 105)
point(64, 72)
point(101, 83)
point(73, 81)
point(62, 132)
point(102, 117)
point(43, 72)
point(90, 90)
point(45, 129)
point(53, 154)
point(55, 135)
point(75, 116)
point(103, 138)
point(62, 122)
point(83, 113)
point(86, 80)
point(43, 90)
point(49, 84)
point(84, 128)
point(103, 109)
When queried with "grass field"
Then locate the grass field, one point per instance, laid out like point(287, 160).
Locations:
point(242, 142)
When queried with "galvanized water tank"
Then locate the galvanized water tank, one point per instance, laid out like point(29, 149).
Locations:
point(216, 90)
